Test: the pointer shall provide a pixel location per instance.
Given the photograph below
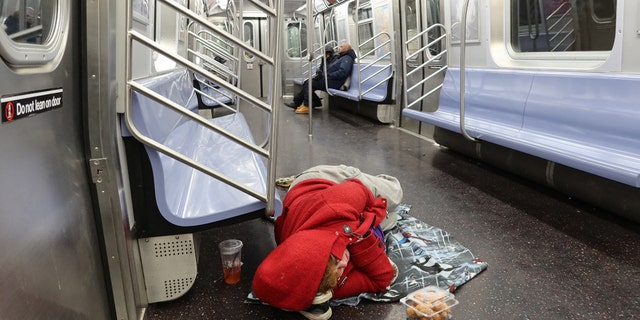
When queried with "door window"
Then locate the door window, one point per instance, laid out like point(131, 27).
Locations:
point(33, 31)
point(296, 39)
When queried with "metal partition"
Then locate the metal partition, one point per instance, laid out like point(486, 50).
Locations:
point(388, 53)
point(424, 51)
point(218, 56)
point(271, 59)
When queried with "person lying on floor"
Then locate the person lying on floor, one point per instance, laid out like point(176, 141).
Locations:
point(330, 240)
point(338, 70)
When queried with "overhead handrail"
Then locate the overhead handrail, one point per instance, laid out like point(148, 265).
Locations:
point(273, 61)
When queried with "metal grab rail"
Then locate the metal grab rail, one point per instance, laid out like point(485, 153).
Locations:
point(562, 28)
point(179, 156)
point(318, 54)
point(388, 54)
point(425, 49)
point(217, 100)
point(216, 49)
point(273, 61)
point(463, 51)
point(214, 45)
point(134, 35)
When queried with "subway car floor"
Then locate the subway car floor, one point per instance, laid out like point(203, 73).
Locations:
point(549, 256)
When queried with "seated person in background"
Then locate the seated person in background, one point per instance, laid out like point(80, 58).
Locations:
point(330, 241)
point(337, 73)
point(329, 56)
point(12, 23)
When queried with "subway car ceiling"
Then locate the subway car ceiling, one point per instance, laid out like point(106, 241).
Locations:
point(294, 7)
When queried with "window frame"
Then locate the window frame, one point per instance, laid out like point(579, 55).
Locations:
point(501, 51)
point(25, 55)
point(300, 26)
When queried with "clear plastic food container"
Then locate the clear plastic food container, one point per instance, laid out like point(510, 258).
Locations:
point(429, 303)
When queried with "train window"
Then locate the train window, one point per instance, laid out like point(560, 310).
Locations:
point(472, 23)
point(414, 21)
point(32, 30)
point(331, 35)
point(413, 26)
point(296, 39)
point(22, 21)
point(166, 25)
point(603, 11)
point(248, 39)
point(562, 25)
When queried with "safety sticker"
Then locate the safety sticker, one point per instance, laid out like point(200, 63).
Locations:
point(22, 105)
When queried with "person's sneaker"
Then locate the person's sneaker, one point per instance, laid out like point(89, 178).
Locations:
point(302, 109)
point(319, 309)
point(285, 182)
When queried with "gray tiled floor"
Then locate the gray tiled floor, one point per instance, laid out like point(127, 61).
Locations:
point(549, 257)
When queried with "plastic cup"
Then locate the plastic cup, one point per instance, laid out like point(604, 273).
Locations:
point(231, 254)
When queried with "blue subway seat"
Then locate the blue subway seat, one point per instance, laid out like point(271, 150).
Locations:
point(545, 115)
point(374, 89)
point(299, 81)
point(184, 196)
point(212, 95)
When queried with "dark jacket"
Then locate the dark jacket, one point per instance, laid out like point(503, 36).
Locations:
point(320, 71)
point(340, 69)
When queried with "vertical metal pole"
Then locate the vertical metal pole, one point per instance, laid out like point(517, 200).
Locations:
point(276, 74)
point(463, 45)
point(405, 58)
point(310, 35)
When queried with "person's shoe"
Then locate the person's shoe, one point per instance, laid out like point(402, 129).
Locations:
point(292, 105)
point(302, 109)
point(317, 104)
point(285, 182)
point(319, 309)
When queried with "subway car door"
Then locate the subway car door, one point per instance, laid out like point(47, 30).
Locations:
point(253, 71)
point(421, 62)
point(295, 54)
point(50, 260)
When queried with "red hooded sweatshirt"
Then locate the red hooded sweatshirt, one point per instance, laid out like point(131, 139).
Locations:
point(321, 218)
